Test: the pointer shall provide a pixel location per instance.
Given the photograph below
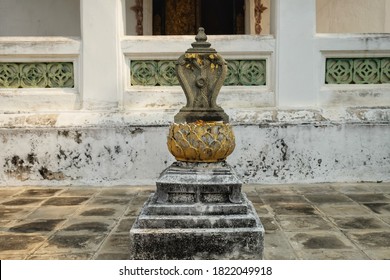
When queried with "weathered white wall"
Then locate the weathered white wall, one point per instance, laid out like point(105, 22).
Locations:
point(312, 153)
point(101, 28)
point(39, 18)
point(353, 16)
point(273, 146)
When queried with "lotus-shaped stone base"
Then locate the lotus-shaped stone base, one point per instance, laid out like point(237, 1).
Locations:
point(201, 141)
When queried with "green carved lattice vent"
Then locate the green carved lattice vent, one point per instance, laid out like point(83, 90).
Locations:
point(37, 75)
point(357, 71)
point(162, 73)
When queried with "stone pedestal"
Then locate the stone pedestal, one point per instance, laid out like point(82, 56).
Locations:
point(197, 212)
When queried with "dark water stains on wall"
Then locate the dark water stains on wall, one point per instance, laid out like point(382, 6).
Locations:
point(19, 168)
point(51, 175)
point(75, 135)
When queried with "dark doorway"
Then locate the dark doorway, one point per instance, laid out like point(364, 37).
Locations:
point(219, 16)
point(183, 17)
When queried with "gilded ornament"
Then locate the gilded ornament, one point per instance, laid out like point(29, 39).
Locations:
point(201, 141)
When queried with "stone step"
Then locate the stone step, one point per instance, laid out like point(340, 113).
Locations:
point(196, 209)
point(199, 182)
point(231, 221)
point(197, 243)
point(197, 231)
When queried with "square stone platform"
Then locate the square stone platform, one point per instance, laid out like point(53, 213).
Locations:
point(198, 212)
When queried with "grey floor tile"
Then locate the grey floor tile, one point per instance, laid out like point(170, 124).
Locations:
point(13, 256)
point(359, 222)
point(261, 209)
point(275, 189)
point(319, 240)
point(122, 192)
point(379, 208)
point(110, 200)
point(36, 226)
point(384, 187)
point(116, 243)
point(125, 225)
point(5, 224)
point(109, 211)
point(269, 224)
point(19, 244)
point(133, 211)
point(250, 189)
point(139, 200)
point(379, 254)
point(371, 239)
point(66, 201)
point(80, 256)
point(351, 209)
point(295, 209)
point(15, 213)
point(254, 198)
point(275, 199)
point(314, 189)
point(303, 223)
point(279, 254)
point(328, 198)
point(350, 188)
point(23, 201)
point(65, 242)
point(142, 189)
point(40, 192)
point(332, 255)
point(276, 240)
point(369, 197)
point(81, 191)
point(6, 193)
point(53, 212)
point(135, 206)
point(87, 225)
point(113, 256)
point(386, 219)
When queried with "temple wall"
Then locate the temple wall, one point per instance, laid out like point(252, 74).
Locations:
point(40, 18)
point(353, 16)
point(95, 109)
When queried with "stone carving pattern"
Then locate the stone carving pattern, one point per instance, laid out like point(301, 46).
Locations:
point(259, 9)
point(37, 75)
point(139, 15)
point(162, 73)
point(207, 72)
point(357, 71)
point(201, 141)
point(246, 73)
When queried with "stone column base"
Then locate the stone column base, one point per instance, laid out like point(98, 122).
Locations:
point(198, 212)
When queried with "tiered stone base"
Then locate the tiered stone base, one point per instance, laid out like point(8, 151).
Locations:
point(197, 212)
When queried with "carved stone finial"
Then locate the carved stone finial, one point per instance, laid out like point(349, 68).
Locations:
point(201, 42)
point(201, 45)
point(201, 72)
